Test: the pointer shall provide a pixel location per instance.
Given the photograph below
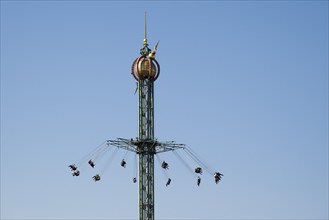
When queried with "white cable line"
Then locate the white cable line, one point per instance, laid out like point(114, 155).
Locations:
point(87, 157)
point(197, 160)
point(135, 167)
point(184, 163)
point(101, 153)
point(109, 161)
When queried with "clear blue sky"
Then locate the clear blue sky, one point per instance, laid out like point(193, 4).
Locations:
point(243, 83)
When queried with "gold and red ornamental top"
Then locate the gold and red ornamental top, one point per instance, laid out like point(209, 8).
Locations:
point(146, 67)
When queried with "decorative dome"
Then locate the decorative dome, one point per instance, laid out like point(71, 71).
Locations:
point(145, 67)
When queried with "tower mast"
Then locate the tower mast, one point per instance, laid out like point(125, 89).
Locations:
point(146, 70)
point(146, 132)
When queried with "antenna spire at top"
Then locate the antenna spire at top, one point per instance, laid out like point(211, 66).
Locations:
point(145, 32)
point(145, 50)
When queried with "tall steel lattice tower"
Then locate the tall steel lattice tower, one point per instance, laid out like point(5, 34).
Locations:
point(146, 70)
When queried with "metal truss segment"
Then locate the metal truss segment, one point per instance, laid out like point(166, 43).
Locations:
point(145, 146)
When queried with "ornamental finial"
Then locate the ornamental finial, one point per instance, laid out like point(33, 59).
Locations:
point(153, 52)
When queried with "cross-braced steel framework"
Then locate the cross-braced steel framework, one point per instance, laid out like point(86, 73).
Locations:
point(146, 147)
point(146, 70)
